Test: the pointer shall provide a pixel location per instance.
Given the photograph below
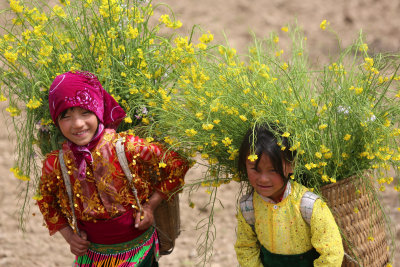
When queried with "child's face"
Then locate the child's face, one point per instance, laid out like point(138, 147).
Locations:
point(78, 125)
point(265, 179)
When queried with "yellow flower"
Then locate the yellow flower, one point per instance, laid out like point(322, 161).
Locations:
point(59, 11)
point(216, 121)
point(170, 24)
point(200, 115)
point(206, 38)
point(322, 126)
point(286, 134)
point(64, 58)
point(285, 29)
point(356, 210)
point(363, 48)
point(162, 165)
point(16, 7)
point(18, 174)
point(318, 155)
point(128, 120)
point(65, 2)
point(358, 90)
point(347, 137)
point(37, 197)
point(190, 132)
point(323, 24)
point(252, 157)
point(227, 141)
point(10, 56)
point(14, 111)
point(201, 46)
point(295, 146)
point(34, 103)
point(324, 149)
point(370, 238)
point(2, 98)
point(112, 33)
point(277, 54)
point(149, 139)
point(243, 118)
point(276, 39)
point(325, 178)
point(208, 126)
point(205, 155)
point(213, 161)
point(131, 32)
point(146, 121)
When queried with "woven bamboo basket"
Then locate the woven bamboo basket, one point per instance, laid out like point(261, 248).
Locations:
point(168, 224)
point(358, 217)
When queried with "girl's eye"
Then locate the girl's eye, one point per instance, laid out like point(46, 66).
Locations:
point(64, 117)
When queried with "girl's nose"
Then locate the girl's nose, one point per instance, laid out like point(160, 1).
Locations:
point(78, 122)
point(264, 177)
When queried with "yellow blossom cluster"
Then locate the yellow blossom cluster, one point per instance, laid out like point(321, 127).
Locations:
point(117, 40)
point(340, 120)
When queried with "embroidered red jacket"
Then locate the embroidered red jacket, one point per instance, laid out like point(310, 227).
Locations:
point(105, 193)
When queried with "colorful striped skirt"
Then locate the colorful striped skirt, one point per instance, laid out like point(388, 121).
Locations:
point(139, 252)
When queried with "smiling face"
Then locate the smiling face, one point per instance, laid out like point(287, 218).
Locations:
point(78, 125)
point(265, 179)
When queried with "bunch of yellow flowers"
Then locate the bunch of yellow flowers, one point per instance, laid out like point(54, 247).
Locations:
point(341, 119)
point(132, 51)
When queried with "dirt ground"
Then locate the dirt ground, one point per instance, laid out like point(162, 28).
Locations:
point(235, 19)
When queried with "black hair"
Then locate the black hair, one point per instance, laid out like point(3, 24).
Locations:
point(62, 113)
point(264, 138)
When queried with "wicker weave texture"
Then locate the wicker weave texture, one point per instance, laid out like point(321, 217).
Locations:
point(168, 224)
point(358, 217)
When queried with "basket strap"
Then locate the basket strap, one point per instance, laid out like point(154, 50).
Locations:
point(120, 149)
point(67, 183)
point(307, 205)
point(247, 209)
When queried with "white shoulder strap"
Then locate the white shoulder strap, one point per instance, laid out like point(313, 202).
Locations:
point(307, 205)
point(120, 150)
point(247, 208)
point(67, 183)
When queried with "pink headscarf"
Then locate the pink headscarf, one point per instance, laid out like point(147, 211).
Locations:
point(83, 89)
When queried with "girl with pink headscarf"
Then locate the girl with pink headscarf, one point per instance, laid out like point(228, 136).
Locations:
point(110, 230)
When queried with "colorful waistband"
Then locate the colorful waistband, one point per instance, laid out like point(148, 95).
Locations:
point(129, 253)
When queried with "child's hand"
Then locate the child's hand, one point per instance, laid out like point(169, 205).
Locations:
point(79, 244)
point(145, 219)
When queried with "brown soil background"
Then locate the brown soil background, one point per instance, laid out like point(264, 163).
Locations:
point(379, 20)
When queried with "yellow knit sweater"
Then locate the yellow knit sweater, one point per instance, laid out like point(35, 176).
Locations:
point(281, 229)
